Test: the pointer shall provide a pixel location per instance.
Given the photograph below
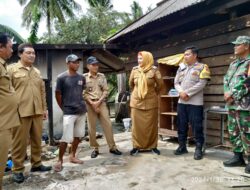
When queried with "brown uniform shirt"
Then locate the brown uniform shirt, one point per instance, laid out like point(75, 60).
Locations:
point(8, 100)
point(30, 89)
point(155, 84)
point(96, 86)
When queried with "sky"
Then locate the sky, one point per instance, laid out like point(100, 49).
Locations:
point(11, 12)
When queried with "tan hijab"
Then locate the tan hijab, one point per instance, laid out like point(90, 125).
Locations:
point(144, 67)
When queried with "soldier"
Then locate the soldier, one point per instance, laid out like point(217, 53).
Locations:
point(30, 91)
point(237, 97)
point(95, 95)
point(190, 80)
point(9, 104)
point(69, 89)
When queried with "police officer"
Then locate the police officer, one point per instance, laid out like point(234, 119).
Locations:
point(190, 80)
point(95, 95)
point(237, 97)
point(9, 103)
point(30, 90)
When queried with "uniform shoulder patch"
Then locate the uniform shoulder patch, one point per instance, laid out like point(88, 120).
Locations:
point(158, 74)
point(136, 67)
point(205, 73)
point(154, 67)
point(10, 67)
point(100, 74)
point(37, 71)
point(199, 66)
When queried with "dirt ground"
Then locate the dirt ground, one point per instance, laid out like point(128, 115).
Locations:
point(145, 171)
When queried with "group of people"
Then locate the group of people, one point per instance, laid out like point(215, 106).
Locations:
point(146, 84)
point(23, 109)
point(190, 80)
point(80, 96)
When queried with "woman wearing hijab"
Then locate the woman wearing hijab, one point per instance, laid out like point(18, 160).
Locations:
point(146, 83)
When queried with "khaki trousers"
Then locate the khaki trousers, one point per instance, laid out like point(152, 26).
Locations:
point(5, 142)
point(31, 128)
point(105, 122)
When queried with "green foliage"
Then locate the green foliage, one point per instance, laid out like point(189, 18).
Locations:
point(136, 11)
point(52, 10)
point(17, 38)
point(36, 17)
point(100, 3)
point(94, 27)
point(112, 82)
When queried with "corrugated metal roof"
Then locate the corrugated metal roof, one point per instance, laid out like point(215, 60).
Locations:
point(167, 8)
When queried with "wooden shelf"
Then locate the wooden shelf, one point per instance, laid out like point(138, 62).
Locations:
point(168, 103)
point(169, 132)
point(169, 113)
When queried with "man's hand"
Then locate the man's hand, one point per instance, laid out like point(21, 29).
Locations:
point(228, 98)
point(95, 105)
point(184, 96)
point(45, 115)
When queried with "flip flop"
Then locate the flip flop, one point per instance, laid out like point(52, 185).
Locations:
point(76, 161)
point(58, 167)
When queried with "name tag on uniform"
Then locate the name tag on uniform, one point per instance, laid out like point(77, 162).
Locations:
point(80, 82)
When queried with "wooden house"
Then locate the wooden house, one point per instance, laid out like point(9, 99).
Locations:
point(210, 25)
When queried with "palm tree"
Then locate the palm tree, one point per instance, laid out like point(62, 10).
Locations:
point(17, 38)
point(135, 13)
point(52, 10)
point(100, 3)
point(136, 10)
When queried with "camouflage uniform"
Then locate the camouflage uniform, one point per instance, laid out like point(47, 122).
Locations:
point(237, 84)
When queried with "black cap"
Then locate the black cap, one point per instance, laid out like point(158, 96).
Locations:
point(92, 60)
point(72, 58)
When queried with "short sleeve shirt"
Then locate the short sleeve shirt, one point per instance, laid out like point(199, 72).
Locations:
point(71, 88)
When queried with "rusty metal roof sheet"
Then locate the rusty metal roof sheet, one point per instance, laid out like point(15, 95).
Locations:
point(165, 9)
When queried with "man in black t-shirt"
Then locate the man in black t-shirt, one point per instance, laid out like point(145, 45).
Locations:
point(69, 88)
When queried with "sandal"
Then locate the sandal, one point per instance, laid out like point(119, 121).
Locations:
point(58, 167)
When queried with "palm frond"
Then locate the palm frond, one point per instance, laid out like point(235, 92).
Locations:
point(6, 29)
point(22, 2)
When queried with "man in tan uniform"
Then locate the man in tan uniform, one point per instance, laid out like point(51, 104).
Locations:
point(30, 90)
point(9, 103)
point(95, 95)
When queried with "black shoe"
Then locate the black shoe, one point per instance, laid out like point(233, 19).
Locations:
point(236, 160)
point(94, 154)
point(156, 151)
point(247, 169)
point(134, 151)
point(198, 153)
point(116, 152)
point(41, 168)
point(182, 149)
point(18, 177)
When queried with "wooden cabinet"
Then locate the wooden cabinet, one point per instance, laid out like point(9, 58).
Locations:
point(168, 103)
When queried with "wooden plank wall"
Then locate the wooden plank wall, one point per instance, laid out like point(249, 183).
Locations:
point(215, 50)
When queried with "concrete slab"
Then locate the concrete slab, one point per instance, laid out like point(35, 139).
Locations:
point(145, 171)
